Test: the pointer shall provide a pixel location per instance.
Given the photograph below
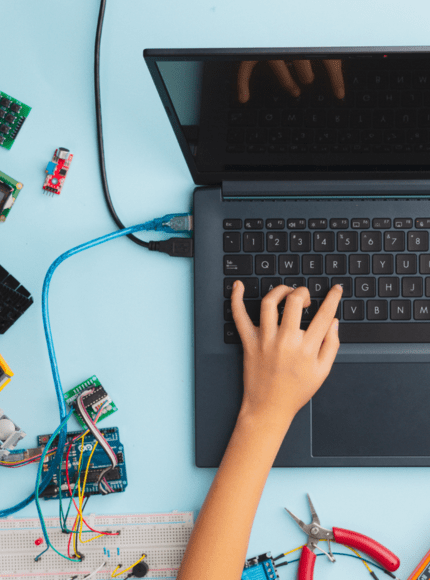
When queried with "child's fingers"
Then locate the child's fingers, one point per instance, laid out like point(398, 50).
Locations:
point(245, 327)
point(330, 346)
point(269, 314)
point(322, 320)
point(293, 309)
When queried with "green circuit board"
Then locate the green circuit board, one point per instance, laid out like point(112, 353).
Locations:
point(9, 190)
point(92, 402)
point(13, 114)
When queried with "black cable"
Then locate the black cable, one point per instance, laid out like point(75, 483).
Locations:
point(108, 198)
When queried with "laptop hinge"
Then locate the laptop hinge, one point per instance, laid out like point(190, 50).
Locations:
point(327, 189)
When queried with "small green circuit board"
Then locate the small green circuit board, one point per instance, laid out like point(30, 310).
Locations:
point(93, 401)
point(9, 190)
point(13, 114)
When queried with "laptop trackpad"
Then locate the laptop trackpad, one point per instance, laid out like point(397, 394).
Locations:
point(373, 409)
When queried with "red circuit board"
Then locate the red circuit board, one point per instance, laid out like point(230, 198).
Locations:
point(57, 170)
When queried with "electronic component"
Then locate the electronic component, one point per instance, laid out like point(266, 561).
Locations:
point(5, 373)
point(163, 537)
point(57, 171)
point(14, 300)
point(10, 435)
point(422, 571)
point(260, 568)
point(140, 570)
point(92, 402)
point(9, 190)
point(13, 114)
point(117, 477)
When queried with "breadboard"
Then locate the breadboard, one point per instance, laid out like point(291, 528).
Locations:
point(162, 537)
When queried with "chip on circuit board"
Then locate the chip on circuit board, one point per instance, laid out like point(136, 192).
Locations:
point(13, 113)
point(93, 401)
point(9, 190)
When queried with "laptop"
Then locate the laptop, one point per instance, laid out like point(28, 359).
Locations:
point(313, 168)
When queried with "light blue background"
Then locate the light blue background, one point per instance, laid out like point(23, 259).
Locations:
point(124, 313)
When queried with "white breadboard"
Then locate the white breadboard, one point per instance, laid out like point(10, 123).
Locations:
point(162, 537)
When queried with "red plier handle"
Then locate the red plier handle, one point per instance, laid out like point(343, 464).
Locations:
point(374, 549)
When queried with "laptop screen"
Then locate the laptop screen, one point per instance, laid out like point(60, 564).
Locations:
point(298, 113)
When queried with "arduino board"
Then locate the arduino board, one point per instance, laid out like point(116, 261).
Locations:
point(13, 114)
point(93, 401)
point(117, 477)
point(9, 190)
point(57, 170)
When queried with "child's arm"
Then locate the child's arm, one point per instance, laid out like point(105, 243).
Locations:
point(283, 368)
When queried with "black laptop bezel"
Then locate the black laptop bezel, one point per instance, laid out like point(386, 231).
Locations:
point(151, 57)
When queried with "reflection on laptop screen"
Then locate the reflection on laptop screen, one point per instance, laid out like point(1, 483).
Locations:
point(357, 113)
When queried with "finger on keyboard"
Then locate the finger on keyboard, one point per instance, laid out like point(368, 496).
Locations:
point(269, 313)
point(324, 317)
point(245, 327)
point(293, 309)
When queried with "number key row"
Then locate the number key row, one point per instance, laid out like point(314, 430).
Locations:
point(370, 241)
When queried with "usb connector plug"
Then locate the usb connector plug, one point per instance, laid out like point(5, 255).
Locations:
point(177, 247)
point(181, 222)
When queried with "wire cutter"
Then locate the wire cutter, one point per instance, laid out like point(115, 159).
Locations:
point(316, 532)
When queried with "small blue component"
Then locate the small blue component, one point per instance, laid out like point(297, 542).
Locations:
point(50, 168)
point(260, 568)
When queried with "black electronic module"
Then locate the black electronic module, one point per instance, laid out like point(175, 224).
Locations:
point(14, 300)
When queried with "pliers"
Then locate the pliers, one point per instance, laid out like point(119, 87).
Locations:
point(315, 532)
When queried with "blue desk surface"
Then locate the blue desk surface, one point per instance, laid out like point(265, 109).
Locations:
point(124, 313)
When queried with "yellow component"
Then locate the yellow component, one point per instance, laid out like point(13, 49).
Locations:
point(113, 575)
point(5, 373)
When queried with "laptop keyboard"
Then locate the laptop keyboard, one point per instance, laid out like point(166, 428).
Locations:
point(382, 264)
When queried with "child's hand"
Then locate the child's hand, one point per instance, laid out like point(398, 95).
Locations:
point(284, 366)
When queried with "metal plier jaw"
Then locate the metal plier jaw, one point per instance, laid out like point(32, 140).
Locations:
point(315, 531)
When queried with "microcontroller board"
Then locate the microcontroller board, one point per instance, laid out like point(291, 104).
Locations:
point(9, 190)
point(117, 477)
point(13, 114)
